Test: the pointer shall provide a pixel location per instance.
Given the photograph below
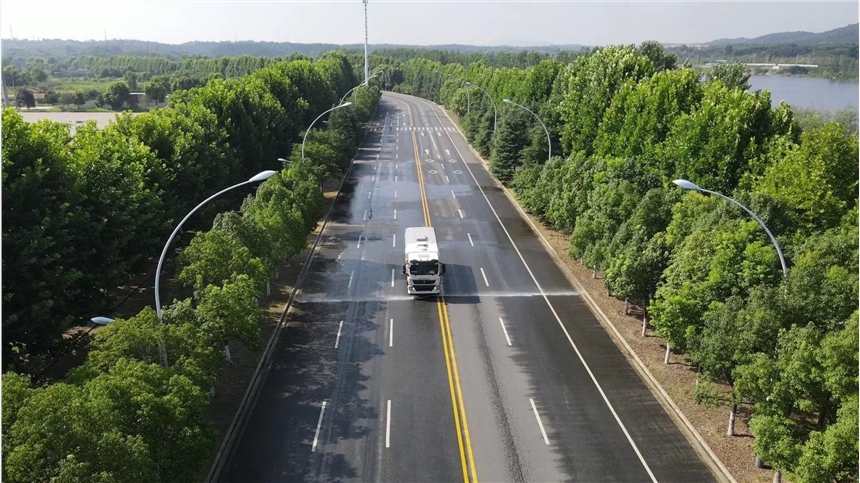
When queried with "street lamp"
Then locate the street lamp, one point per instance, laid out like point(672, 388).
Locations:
point(548, 139)
point(692, 186)
point(495, 112)
point(259, 177)
point(317, 119)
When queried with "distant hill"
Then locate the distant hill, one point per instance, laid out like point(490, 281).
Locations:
point(61, 49)
point(843, 35)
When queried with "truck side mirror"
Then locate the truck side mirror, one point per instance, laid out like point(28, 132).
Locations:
point(403, 269)
point(441, 268)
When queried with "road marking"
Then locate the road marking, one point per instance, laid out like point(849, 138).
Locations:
point(350, 279)
point(448, 152)
point(395, 156)
point(373, 178)
point(505, 331)
point(392, 277)
point(365, 216)
point(359, 242)
point(393, 240)
point(439, 134)
point(395, 213)
point(485, 277)
point(337, 341)
point(391, 333)
point(319, 423)
point(395, 178)
point(369, 193)
point(463, 439)
point(452, 194)
point(461, 212)
point(441, 164)
point(388, 426)
point(557, 318)
point(542, 431)
point(395, 193)
point(446, 178)
point(427, 151)
point(470, 239)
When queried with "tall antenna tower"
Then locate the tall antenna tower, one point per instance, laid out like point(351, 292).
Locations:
point(366, 64)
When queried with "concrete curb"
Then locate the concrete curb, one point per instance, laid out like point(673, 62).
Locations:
point(249, 400)
point(716, 466)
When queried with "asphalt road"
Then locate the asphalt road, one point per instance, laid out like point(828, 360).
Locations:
point(507, 377)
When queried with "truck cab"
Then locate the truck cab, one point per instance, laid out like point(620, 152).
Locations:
point(423, 269)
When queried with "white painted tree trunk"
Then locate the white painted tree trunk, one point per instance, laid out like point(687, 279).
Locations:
point(268, 288)
point(593, 273)
point(731, 430)
point(626, 307)
point(666, 357)
point(758, 462)
point(777, 477)
point(644, 322)
point(227, 352)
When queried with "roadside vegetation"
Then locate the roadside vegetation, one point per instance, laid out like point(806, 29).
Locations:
point(85, 213)
point(625, 122)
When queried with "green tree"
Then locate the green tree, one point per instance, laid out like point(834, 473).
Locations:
point(733, 75)
point(26, 97)
point(117, 95)
point(155, 91)
point(508, 143)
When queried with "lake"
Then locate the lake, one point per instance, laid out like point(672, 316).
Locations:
point(818, 94)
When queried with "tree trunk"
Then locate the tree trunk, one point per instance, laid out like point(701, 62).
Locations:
point(666, 357)
point(777, 477)
point(227, 352)
point(758, 462)
point(593, 273)
point(626, 306)
point(268, 288)
point(731, 430)
point(644, 320)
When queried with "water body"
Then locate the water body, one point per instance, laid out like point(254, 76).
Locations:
point(818, 94)
point(72, 118)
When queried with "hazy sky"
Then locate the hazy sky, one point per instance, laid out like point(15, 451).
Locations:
point(419, 22)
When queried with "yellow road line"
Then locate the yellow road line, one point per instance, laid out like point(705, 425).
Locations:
point(448, 343)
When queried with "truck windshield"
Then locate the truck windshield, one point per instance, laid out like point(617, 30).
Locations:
point(424, 268)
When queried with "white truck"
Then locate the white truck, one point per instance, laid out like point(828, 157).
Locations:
point(423, 269)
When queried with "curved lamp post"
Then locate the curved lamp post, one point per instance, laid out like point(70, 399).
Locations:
point(687, 185)
point(495, 111)
point(259, 177)
point(356, 87)
point(548, 139)
point(305, 138)
point(692, 186)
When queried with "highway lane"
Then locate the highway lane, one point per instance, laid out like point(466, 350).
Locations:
point(365, 383)
point(596, 434)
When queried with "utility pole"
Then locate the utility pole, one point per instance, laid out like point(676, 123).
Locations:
point(366, 65)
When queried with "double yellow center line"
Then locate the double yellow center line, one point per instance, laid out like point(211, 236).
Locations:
point(459, 407)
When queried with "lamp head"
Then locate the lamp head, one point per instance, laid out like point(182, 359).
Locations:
point(468, 83)
point(264, 175)
point(347, 103)
point(101, 320)
point(508, 101)
point(686, 185)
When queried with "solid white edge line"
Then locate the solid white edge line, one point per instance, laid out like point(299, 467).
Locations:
point(388, 426)
point(337, 341)
point(391, 333)
point(552, 309)
point(505, 331)
point(392, 277)
point(537, 416)
point(319, 424)
point(485, 277)
point(470, 239)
